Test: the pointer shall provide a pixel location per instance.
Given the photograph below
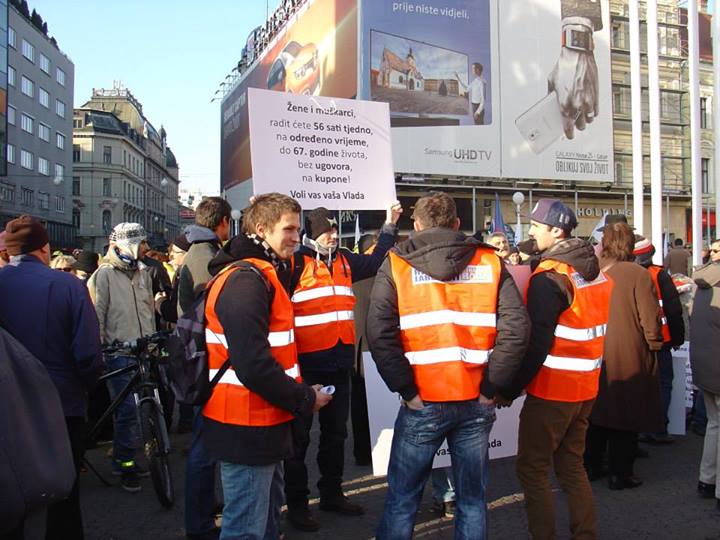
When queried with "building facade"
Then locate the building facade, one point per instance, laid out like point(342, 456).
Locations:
point(123, 170)
point(39, 127)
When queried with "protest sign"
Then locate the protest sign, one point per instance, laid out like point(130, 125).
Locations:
point(320, 151)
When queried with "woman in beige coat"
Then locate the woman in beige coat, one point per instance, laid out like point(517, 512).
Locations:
point(629, 398)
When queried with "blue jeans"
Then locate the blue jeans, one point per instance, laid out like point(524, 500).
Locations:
point(417, 437)
point(200, 503)
point(442, 485)
point(126, 433)
point(253, 497)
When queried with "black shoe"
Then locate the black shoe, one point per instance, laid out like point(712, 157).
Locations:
point(448, 509)
point(623, 482)
point(210, 535)
point(302, 519)
point(140, 471)
point(595, 473)
point(340, 504)
point(130, 481)
point(706, 491)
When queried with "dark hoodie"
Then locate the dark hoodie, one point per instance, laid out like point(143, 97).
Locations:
point(549, 294)
point(243, 308)
point(672, 307)
point(443, 254)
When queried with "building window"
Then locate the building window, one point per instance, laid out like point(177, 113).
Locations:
point(11, 153)
point(106, 222)
point(703, 113)
point(43, 97)
point(26, 160)
point(11, 115)
point(27, 197)
point(76, 218)
point(60, 108)
point(11, 76)
point(28, 51)
point(26, 123)
point(44, 63)
point(705, 174)
point(76, 186)
point(43, 200)
point(107, 187)
point(60, 76)
point(11, 37)
point(107, 154)
point(59, 172)
point(60, 141)
point(60, 204)
point(44, 132)
point(43, 166)
point(77, 123)
point(27, 87)
point(7, 192)
point(76, 153)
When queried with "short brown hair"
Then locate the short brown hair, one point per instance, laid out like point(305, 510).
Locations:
point(436, 209)
point(267, 209)
point(211, 212)
point(618, 242)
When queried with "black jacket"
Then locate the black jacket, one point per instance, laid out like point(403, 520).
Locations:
point(442, 254)
point(549, 294)
point(342, 356)
point(243, 308)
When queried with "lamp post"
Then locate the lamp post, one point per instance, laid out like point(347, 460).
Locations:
point(518, 198)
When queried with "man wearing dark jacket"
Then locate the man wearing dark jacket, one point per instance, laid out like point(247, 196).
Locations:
point(51, 314)
point(567, 300)
point(447, 329)
point(247, 420)
point(323, 302)
point(673, 327)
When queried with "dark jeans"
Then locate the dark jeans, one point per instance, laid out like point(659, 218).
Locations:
point(200, 503)
point(333, 432)
point(418, 434)
point(64, 519)
point(360, 422)
point(665, 367)
point(126, 430)
point(621, 448)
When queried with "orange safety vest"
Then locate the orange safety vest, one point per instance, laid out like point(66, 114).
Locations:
point(571, 371)
point(323, 304)
point(448, 328)
point(231, 402)
point(654, 271)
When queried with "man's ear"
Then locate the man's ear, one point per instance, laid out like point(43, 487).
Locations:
point(456, 227)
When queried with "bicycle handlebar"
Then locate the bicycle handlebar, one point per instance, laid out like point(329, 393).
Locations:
point(136, 346)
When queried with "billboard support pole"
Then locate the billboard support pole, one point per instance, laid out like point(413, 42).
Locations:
point(655, 141)
point(576, 210)
point(636, 110)
point(694, 59)
point(474, 211)
point(716, 110)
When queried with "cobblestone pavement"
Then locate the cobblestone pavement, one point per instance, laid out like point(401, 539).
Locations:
point(665, 507)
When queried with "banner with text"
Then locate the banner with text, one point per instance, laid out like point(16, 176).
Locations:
point(327, 152)
point(557, 116)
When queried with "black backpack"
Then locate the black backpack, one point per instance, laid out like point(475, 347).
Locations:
point(187, 368)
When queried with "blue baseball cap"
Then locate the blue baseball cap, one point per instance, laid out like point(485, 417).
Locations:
point(555, 214)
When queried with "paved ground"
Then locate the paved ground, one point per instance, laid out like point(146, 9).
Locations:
point(420, 101)
point(665, 507)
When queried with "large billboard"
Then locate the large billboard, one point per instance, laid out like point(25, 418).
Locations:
point(314, 54)
point(556, 89)
point(435, 64)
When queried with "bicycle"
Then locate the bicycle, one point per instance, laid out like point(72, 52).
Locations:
point(145, 385)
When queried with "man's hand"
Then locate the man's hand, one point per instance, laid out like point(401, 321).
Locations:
point(415, 403)
point(575, 80)
point(394, 213)
point(321, 398)
point(485, 401)
point(501, 402)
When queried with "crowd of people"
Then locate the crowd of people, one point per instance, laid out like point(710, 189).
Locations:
point(587, 340)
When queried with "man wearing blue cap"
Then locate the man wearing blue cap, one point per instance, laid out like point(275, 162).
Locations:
point(567, 300)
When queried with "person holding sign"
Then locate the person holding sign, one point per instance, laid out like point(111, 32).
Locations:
point(323, 300)
point(568, 300)
point(447, 329)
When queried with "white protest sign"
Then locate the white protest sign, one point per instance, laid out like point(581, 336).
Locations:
point(383, 407)
point(681, 390)
point(321, 151)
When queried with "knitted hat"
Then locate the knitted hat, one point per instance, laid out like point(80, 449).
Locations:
point(87, 261)
point(554, 213)
point(319, 221)
point(181, 242)
point(643, 246)
point(24, 235)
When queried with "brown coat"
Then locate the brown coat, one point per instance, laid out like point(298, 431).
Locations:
point(629, 397)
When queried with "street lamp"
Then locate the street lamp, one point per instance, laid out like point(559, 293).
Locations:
point(518, 198)
point(236, 215)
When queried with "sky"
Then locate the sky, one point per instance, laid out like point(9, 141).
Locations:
point(171, 54)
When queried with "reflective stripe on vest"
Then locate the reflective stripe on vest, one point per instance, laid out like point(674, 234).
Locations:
point(448, 328)
point(323, 304)
point(231, 402)
point(654, 271)
point(571, 370)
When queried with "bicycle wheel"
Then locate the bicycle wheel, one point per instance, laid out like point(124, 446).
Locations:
point(156, 452)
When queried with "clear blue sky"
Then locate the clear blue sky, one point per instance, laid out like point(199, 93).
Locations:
point(171, 54)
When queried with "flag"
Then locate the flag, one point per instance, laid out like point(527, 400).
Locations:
point(497, 224)
point(597, 233)
point(357, 231)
